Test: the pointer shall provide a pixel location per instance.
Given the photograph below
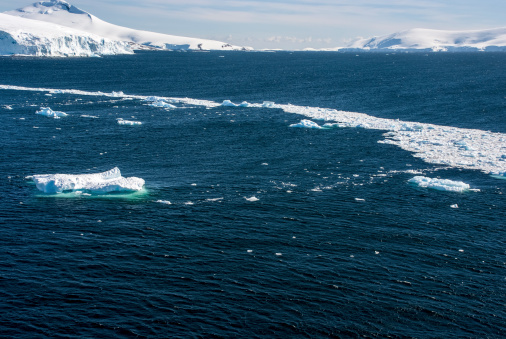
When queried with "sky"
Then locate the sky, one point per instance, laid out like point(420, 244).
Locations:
point(290, 24)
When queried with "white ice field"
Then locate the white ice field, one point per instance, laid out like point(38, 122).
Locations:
point(443, 145)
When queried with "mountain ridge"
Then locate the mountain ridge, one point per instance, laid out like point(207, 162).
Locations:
point(432, 40)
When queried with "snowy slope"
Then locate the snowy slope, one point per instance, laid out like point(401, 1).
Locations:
point(435, 40)
point(31, 37)
point(62, 13)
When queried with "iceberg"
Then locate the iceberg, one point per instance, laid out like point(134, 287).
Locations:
point(228, 103)
point(161, 104)
point(128, 122)
point(48, 112)
point(307, 124)
point(440, 184)
point(105, 182)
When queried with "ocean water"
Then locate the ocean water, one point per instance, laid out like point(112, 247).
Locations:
point(247, 227)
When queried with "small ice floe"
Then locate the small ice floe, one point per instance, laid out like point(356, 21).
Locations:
point(189, 203)
point(252, 199)
point(48, 112)
point(265, 164)
point(279, 254)
point(359, 199)
point(376, 252)
point(228, 103)
point(214, 199)
point(454, 206)
point(268, 104)
point(105, 182)
point(440, 184)
point(8, 107)
point(128, 122)
point(165, 202)
point(88, 116)
point(161, 104)
point(306, 124)
point(249, 251)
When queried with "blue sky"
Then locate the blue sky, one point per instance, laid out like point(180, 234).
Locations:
point(290, 24)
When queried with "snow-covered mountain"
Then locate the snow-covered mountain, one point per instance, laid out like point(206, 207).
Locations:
point(435, 40)
point(62, 13)
point(19, 36)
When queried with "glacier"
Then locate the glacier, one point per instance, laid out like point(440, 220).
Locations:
point(431, 40)
point(64, 14)
point(20, 36)
point(105, 182)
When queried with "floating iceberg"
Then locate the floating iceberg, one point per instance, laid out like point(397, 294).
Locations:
point(161, 104)
point(440, 184)
point(228, 103)
point(128, 122)
point(48, 112)
point(105, 182)
point(306, 124)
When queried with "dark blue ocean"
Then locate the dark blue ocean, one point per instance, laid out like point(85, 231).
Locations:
point(271, 231)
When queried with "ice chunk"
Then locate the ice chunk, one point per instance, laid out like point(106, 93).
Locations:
point(165, 202)
point(128, 122)
point(8, 107)
point(252, 199)
point(228, 103)
point(48, 112)
point(109, 181)
point(161, 104)
point(306, 124)
point(268, 104)
point(440, 184)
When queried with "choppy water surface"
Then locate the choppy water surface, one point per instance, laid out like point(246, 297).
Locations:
point(248, 227)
